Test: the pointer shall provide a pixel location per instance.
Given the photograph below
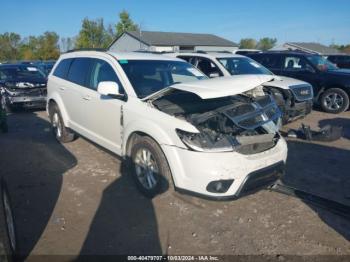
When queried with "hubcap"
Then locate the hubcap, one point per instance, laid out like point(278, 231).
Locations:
point(334, 101)
point(56, 123)
point(10, 222)
point(146, 168)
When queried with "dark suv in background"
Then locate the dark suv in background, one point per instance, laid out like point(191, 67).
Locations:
point(341, 61)
point(331, 85)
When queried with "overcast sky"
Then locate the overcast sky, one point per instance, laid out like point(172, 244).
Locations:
point(309, 20)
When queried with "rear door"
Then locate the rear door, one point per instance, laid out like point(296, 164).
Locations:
point(77, 74)
point(101, 119)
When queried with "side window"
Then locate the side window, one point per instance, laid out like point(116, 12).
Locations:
point(189, 59)
point(102, 71)
point(208, 67)
point(270, 61)
point(61, 70)
point(78, 70)
point(295, 63)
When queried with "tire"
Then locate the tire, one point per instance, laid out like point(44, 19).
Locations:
point(8, 239)
point(334, 100)
point(158, 167)
point(62, 133)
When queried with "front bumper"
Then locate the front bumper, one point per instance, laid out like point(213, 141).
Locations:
point(298, 110)
point(27, 101)
point(193, 171)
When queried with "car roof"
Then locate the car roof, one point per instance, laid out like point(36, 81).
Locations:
point(121, 55)
point(210, 55)
point(282, 53)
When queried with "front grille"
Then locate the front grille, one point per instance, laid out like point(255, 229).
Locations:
point(302, 92)
point(261, 112)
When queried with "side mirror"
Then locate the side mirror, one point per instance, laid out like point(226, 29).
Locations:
point(214, 74)
point(109, 88)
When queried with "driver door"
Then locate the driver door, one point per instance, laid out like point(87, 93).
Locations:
point(102, 115)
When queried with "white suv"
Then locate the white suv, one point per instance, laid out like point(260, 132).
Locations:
point(294, 97)
point(210, 137)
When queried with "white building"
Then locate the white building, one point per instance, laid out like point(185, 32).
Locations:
point(170, 42)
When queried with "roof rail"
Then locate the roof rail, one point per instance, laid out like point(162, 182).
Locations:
point(88, 49)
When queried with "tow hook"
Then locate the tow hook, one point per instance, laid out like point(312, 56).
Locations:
point(315, 200)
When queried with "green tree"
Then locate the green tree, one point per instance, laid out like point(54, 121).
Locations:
point(9, 44)
point(93, 35)
point(266, 43)
point(125, 23)
point(48, 46)
point(247, 43)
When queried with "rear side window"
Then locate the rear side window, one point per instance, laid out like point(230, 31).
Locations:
point(79, 70)
point(270, 61)
point(61, 70)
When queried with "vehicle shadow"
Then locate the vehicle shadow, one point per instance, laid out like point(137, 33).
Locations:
point(124, 223)
point(323, 171)
point(33, 164)
point(339, 121)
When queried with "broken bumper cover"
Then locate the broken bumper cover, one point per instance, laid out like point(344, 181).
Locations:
point(193, 172)
point(298, 110)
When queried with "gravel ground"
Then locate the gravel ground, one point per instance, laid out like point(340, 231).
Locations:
point(76, 199)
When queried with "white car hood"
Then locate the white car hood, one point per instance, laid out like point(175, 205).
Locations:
point(284, 82)
point(223, 86)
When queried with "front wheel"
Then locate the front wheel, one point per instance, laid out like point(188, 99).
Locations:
point(334, 100)
point(150, 168)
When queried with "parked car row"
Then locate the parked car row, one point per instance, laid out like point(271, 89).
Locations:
point(294, 97)
point(171, 122)
point(331, 85)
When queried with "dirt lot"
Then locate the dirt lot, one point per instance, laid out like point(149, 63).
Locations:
point(76, 199)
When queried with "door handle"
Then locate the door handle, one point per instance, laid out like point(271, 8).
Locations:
point(87, 98)
point(62, 88)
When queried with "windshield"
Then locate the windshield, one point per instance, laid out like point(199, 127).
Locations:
point(150, 76)
point(243, 66)
point(321, 63)
point(20, 72)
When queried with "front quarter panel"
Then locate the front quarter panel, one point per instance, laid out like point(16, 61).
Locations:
point(139, 116)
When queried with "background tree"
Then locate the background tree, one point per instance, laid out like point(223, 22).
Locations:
point(48, 46)
point(93, 35)
point(247, 43)
point(266, 43)
point(9, 44)
point(125, 23)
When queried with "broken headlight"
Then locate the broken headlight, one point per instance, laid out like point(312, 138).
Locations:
point(207, 142)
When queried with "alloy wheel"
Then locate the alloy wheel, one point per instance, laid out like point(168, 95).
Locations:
point(333, 101)
point(146, 168)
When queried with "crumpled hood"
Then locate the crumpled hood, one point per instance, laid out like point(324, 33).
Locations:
point(284, 82)
point(223, 86)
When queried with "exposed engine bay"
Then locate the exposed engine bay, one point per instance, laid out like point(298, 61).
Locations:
point(245, 123)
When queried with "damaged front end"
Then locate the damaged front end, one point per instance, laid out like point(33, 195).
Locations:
point(24, 94)
point(245, 123)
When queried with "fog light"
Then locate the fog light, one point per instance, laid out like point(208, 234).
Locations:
point(219, 186)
